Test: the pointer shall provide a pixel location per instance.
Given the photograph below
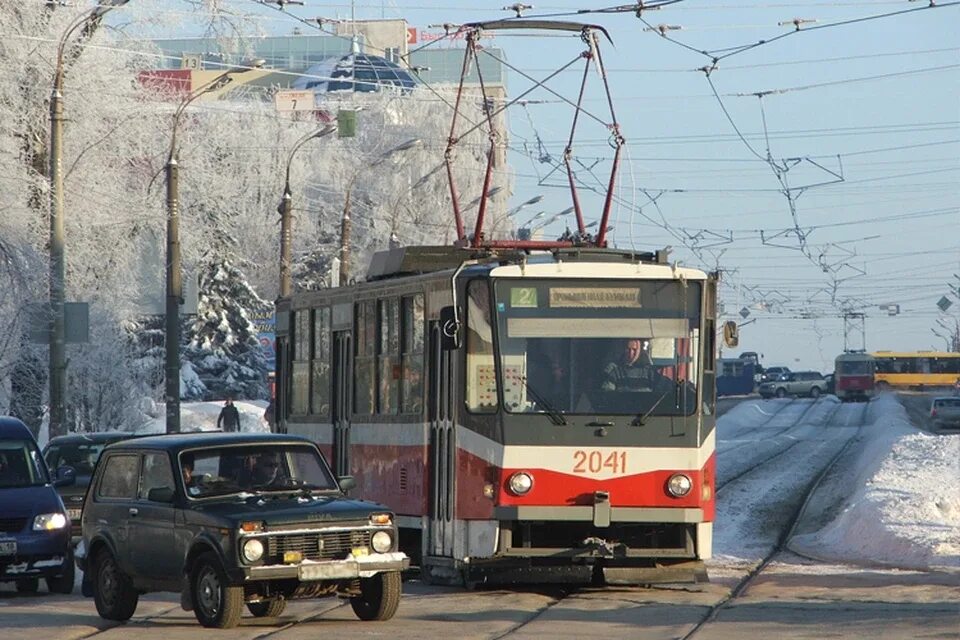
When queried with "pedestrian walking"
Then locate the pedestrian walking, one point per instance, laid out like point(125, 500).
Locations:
point(229, 418)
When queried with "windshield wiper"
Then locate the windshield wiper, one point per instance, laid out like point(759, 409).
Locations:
point(555, 416)
point(641, 419)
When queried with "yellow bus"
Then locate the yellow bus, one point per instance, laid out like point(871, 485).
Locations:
point(916, 369)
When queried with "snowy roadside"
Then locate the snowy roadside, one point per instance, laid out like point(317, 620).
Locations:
point(901, 507)
point(194, 416)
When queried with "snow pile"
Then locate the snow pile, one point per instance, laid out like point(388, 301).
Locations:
point(903, 504)
point(202, 416)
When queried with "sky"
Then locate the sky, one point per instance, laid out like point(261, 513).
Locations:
point(816, 170)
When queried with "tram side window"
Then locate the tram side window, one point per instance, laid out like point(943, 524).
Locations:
point(300, 391)
point(411, 387)
point(364, 384)
point(320, 384)
point(388, 357)
point(481, 391)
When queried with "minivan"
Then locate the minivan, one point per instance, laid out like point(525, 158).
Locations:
point(34, 526)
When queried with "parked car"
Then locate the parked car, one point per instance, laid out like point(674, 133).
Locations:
point(773, 373)
point(945, 412)
point(231, 520)
point(799, 383)
point(34, 526)
point(80, 452)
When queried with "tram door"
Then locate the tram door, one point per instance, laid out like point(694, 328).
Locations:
point(443, 447)
point(342, 400)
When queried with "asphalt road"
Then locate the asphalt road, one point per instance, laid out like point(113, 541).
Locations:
point(793, 598)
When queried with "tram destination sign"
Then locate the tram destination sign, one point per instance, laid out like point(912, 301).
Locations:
point(619, 297)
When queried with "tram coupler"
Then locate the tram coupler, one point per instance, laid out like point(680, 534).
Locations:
point(601, 508)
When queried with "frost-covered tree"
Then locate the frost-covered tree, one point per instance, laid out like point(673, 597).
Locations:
point(224, 351)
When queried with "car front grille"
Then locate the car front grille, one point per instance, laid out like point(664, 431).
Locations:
point(331, 545)
point(12, 525)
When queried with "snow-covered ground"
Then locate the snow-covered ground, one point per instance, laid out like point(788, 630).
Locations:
point(899, 491)
point(195, 416)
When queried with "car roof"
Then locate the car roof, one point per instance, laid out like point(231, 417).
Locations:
point(179, 441)
point(98, 437)
point(12, 428)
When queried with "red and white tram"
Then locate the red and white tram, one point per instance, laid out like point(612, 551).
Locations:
point(853, 376)
point(468, 389)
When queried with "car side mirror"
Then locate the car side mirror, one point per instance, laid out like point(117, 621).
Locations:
point(346, 483)
point(449, 329)
point(160, 494)
point(66, 477)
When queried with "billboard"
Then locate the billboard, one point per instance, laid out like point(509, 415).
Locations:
point(265, 323)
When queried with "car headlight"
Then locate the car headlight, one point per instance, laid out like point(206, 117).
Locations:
point(679, 485)
point(49, 522)
point(381, 541)
point(252, 550)
point(520, 483)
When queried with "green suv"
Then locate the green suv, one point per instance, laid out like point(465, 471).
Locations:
point(233, 520)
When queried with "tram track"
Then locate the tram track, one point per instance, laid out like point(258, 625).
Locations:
point(786, 534)
point(780, 452)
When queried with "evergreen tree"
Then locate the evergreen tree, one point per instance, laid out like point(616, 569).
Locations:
point(224, 351)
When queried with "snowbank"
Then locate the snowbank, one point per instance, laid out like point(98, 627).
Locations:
point(194, 416)
point(202, 416)
point(902, 507)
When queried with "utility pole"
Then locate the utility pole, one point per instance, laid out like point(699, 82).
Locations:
point(58, 277)
point(286, 212)
point(173, 278)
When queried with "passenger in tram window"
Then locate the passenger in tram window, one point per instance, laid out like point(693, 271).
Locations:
point(633, 369)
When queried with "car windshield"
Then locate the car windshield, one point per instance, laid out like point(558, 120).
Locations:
point(224, 470)
point(953, 403)
point(20, 464)
point(82, 456)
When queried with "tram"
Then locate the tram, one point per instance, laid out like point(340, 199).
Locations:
point(466, 391)
point(531, 410)
point(853, 376)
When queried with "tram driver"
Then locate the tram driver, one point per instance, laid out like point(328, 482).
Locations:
point(633, 369)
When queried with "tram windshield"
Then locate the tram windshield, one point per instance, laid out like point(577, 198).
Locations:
point(598, 346)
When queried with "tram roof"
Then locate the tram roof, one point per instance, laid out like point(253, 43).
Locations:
point(404, 261)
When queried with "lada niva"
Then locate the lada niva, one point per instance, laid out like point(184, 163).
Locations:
point(233, 520)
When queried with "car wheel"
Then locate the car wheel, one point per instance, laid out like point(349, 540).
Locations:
point(28, 585)
point(815, 393)
point(112, 591)
point(781, 393)
point(64, 583)
point(216, 603)
point(267, 608)
point(379, 596)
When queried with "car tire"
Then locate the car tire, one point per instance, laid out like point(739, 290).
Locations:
point(28, 585)
point(216, 603)
point(815, 393)
point(113, 592)
point(379, 596)
point(781, 393)
point(267, 608)
point(63, 583)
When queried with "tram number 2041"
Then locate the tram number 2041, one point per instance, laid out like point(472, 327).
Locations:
point(597, 461)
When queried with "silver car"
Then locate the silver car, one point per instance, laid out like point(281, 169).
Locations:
point(945, 412)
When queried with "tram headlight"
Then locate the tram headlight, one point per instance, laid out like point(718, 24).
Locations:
point(381, 542)
point(252, 550)
point(520, 483)
point(679, 485)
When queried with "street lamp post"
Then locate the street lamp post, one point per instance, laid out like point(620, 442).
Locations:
point(174, 283)
point(286, 212)
point(58, 367)
point(345, 222)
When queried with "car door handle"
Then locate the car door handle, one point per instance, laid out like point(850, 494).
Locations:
point(134, 511)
